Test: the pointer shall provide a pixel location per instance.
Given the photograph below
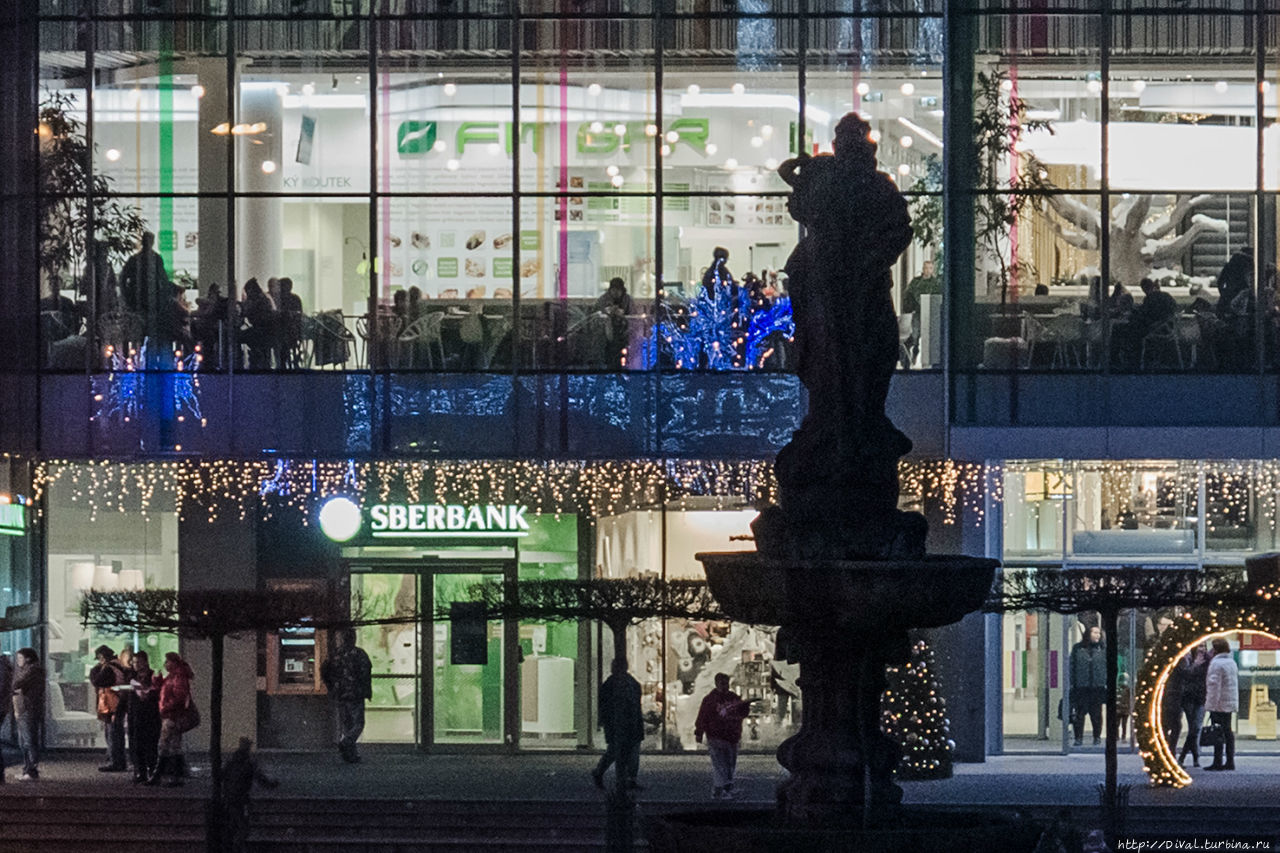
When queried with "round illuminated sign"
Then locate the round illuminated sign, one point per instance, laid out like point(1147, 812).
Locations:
point(340, 519)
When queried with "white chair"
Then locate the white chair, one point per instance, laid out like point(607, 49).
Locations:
point(68, 728)
point(421, 335)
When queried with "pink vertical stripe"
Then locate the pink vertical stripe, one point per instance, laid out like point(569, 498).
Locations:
point(562, 203)
point(1013, 176)
point(384, 184)
point(1053, 669)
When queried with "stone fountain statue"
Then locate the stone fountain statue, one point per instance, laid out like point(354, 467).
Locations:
point(838, 566)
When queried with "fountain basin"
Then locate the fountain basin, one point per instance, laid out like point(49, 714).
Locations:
point(847, 596)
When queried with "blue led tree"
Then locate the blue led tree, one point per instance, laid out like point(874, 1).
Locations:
point(722, 329)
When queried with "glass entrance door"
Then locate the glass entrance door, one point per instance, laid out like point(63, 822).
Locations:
point(394, 712)
point(468, 664)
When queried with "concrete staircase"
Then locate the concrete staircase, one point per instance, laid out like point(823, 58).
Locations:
point(173, 822)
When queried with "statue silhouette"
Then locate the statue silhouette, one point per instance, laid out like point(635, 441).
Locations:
point(838, 477)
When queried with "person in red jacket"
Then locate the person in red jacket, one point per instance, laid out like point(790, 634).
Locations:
point(720, 718)
point(175, 700)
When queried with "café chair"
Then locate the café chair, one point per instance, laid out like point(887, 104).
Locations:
point(422, 335)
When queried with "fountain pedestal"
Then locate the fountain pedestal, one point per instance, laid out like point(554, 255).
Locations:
point(844, 621)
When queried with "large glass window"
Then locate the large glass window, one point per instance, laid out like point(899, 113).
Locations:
point(91, 548)
point(503, 176)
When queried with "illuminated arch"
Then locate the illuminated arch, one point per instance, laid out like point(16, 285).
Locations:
point(1190, 629)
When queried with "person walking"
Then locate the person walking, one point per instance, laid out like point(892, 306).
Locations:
point(175, 708)
point(144, 718)
point(623, 727)
point(28, 710)
point(720, 718)
point(6, 691)
point(1222, 699)
point(1088, 684)
point(1196, 663)
point(238, 775)
point(348, 675)
point(108, 674)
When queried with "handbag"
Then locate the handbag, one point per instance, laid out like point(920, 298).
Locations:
point(1213, 735)
point(108, 702)
point(189, 719)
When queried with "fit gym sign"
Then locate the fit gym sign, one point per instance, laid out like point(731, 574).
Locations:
point(342, 519)
point(418, 138)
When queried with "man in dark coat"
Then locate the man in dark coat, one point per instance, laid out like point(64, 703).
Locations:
point(1088, 683)
point(238, 776)
point(349, 677)
point(146, 290)
point(623, 726)
point(28, 710)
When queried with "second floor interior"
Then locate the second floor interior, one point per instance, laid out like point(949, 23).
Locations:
point(456, 195)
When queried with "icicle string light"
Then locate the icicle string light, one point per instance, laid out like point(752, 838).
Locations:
point(1188, 630)
point(219, 488)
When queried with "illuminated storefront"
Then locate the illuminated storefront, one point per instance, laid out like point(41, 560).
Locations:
point(1119, 514)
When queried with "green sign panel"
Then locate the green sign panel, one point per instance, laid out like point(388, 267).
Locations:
point(530, 241)
point(502, 268)
point(447, 267)
point(415, 137)
point(13, 520)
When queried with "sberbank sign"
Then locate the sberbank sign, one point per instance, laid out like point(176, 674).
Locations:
point(416, 138)
point(342, 519)
point(403, 520)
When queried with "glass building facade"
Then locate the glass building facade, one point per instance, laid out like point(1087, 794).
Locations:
point(1087, 317)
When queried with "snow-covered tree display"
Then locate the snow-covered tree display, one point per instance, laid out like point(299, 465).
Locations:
point(1140, 241)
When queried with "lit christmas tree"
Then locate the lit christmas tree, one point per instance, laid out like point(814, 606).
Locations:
point(913, 713)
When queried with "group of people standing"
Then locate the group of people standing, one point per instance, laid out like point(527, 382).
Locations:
point(1203, 680)
point(148, 711)
point(267, 321)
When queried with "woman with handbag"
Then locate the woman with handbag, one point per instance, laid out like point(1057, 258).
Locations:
point(176, 712)
point(1222, 699)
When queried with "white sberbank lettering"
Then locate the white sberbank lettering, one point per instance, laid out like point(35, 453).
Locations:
point(404, 520)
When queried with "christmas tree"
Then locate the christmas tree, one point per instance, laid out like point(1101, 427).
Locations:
point(914, 714)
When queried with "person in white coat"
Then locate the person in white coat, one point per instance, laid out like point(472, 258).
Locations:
point(1222, 699)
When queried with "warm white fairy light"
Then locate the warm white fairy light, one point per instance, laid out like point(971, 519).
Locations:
point(1187, 631)
point(222, 487)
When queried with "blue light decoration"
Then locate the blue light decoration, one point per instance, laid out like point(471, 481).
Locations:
point(123, 395)
point(278, 482)
point(723, 329)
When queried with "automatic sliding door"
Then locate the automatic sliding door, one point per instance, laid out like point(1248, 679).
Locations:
point(394, 650)
point(467, 663)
